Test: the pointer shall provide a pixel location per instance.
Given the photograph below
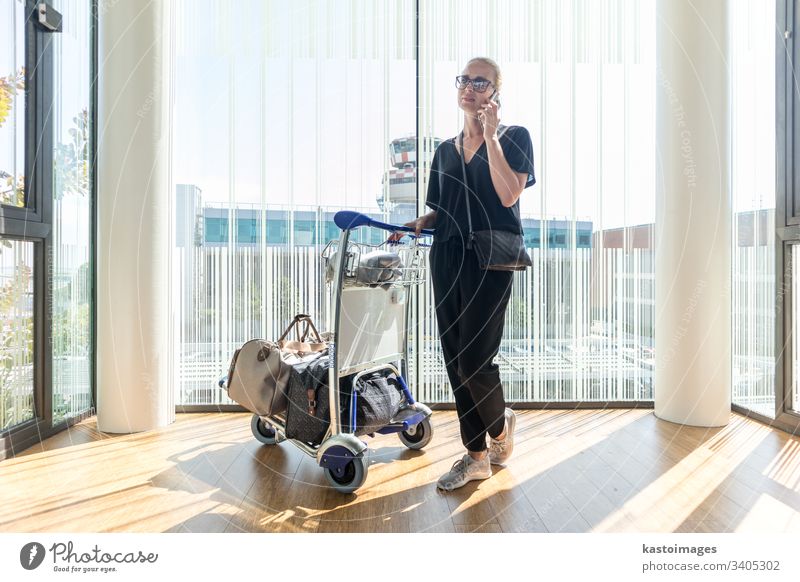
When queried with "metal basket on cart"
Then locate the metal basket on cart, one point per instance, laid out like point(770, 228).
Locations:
point(411, 266)
point(367, 332)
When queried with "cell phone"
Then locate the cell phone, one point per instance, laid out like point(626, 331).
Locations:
point(496, 99)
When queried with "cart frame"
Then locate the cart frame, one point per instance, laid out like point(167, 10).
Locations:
point(340, 446)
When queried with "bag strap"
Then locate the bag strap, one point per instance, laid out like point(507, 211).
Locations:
point(295, 323)
point(309, 328)
point(466, 188)
point(232, 367)
point(501, 129)
point(311, 395)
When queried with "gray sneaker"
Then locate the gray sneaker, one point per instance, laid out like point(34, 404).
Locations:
point(500, 451)
point(464, 470)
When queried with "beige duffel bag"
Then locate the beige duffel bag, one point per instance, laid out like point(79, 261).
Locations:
point(260, 371)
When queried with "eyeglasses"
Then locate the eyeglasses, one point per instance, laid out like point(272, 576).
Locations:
point(479, 84)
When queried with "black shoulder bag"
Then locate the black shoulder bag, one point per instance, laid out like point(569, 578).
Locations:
point(496, 250)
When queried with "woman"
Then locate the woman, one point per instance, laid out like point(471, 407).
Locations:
point(470, 302)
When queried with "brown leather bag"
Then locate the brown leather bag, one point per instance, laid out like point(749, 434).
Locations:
point(259, 374)
point(301, 347)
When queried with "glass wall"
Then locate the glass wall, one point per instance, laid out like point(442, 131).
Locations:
point(16, 256)
point(314, 107)
point(753, 289)
point(16, 332)
point(580, 76)
point(58, 235)
point(793, 391)
point(278, 124)
point(72, 212)
point(12, 103)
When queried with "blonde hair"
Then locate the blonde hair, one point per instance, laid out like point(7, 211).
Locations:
point(498, 76)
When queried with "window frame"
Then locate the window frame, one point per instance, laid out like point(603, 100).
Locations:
point(34, 222)
point(787, 218)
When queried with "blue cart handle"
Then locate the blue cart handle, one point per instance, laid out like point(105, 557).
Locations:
point(347, 219)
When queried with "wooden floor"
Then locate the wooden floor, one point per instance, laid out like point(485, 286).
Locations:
point(572, 471)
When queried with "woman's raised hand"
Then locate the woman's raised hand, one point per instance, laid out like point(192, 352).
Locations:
point(489, 118)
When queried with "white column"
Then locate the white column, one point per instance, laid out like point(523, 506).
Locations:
point(693, 213)
point(134, 388)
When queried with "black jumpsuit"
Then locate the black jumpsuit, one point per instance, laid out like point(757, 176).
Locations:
point(471, 303)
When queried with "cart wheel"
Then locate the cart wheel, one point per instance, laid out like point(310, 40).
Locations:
point(263, 432)
point(417, 436)
point(350, 477)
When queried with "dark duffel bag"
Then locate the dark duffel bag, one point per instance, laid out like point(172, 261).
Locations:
point(378, 401)
point(308, 414)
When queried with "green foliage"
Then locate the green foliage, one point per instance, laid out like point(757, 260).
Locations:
point(16, 344)
point(14, 410)
point(72, 159)
point(251, 295)
point(518, 315)
point(289, 297)
point(13, 193)
point(8, 89)
point(71, 331)
point(72, 315)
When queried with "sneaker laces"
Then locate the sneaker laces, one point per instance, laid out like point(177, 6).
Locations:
point(460, 466)
point(497, 446)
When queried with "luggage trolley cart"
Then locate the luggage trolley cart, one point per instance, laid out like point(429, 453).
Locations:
point(367, 326)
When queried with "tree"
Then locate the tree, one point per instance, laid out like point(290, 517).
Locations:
point(72, 159)
point(8, 89)
point(13, 191)
point(16, 343)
